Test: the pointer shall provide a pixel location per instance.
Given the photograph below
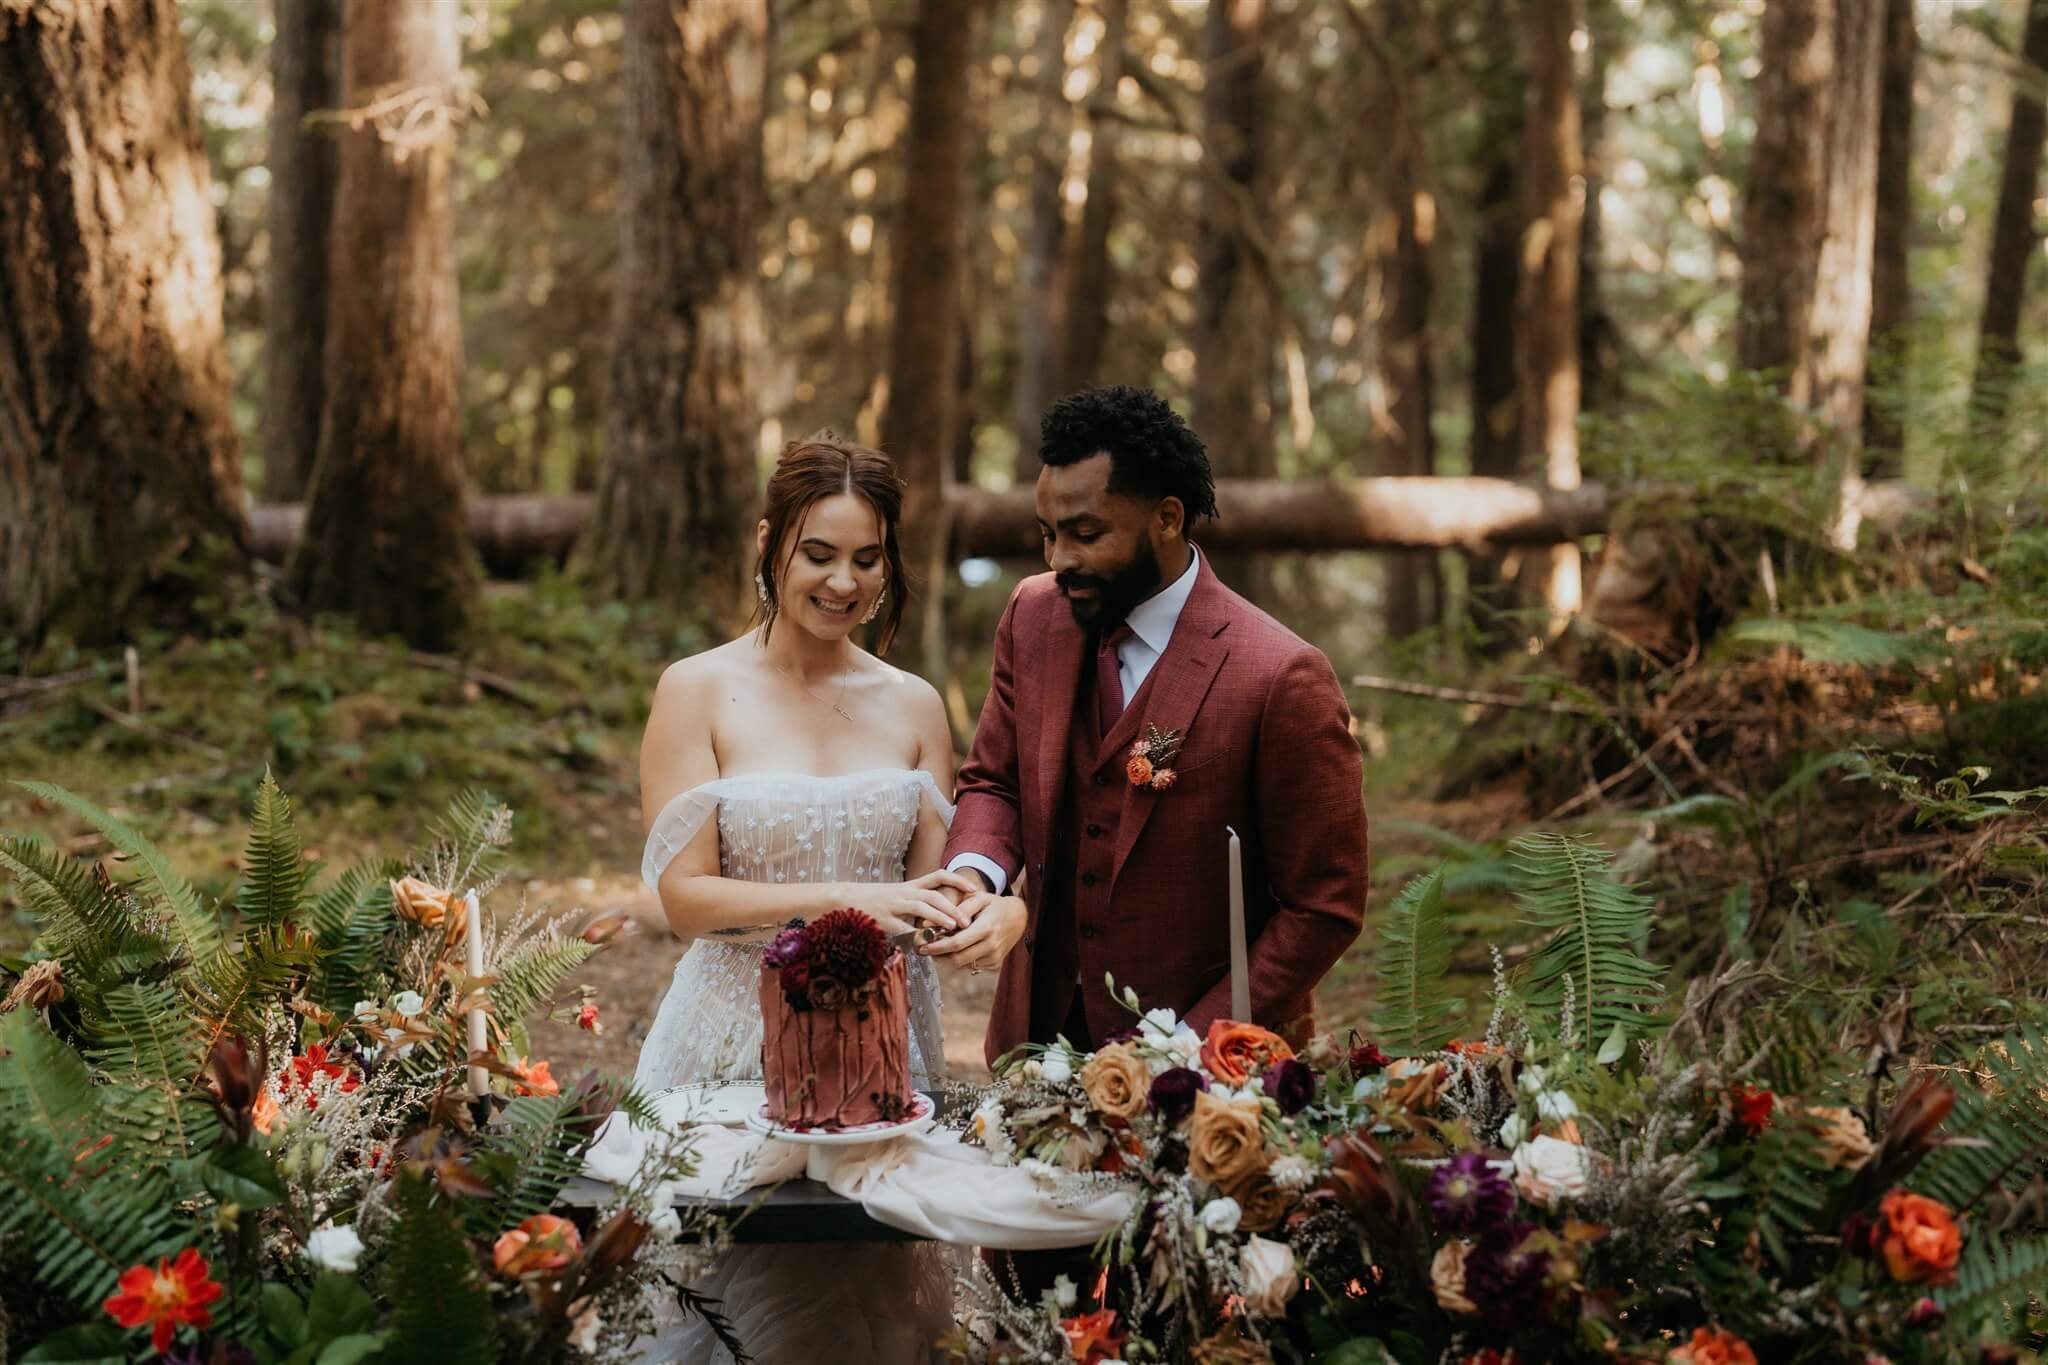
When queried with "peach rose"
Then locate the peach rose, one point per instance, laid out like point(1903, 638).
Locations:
point(263, 1114)
point(1233, 1050)
point(429, 906)
point(1447, 1278)
point(1225, 1146)
point(1139, 770)
point(540, 1244)
point(1919, 1239)
point(1844, 1142)
point(1414, 1085)
point(1712, 1346)
point(1116, 1082)
point(535, 1079)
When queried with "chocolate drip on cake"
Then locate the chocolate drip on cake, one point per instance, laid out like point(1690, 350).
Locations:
point(838, 1068)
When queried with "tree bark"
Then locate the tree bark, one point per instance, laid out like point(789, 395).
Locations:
point(678, 491)
point(1784, 210)
point(1552, 190)
point(1599, 340)
point(1090, 277)
point(920, 421)
point(384, 525)
point(1891, 291)
point(117, 455)
point(305, 65)
point(1039, 292)
point(1839, 352)
point(1233, 342)
point(1496, 441)
point(2013, 238)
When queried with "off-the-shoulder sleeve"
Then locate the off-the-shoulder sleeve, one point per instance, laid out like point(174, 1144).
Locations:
point(673, 829)
point(938, 798)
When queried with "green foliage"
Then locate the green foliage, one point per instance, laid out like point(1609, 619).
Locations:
point(535, 1149)
point(350, 920)
point(1594, 929)
point(1995, 1272)
point(440, 1308)
point(274, 874)
point(1413, 1013)
point(532, 972)
point(2002, 1125)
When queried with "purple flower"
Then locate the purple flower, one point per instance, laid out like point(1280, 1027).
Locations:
point(1290, 1084)
point(1173, 1092)
point(786, 947)
point(1508, 1273)
point(1467, 1195)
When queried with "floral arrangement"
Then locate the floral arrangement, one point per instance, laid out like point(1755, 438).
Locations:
point(832, 962)
point(1704, 1186)
point(243, 1131)
point(1151, 757)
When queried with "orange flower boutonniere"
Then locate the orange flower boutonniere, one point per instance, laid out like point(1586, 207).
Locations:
point(1150, 757)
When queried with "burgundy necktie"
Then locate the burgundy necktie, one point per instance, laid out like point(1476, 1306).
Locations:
point(1109, 682)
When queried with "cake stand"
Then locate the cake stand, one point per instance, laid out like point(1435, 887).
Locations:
point(823, 1142)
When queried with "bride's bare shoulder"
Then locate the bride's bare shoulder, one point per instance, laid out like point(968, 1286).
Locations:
point(701, 678)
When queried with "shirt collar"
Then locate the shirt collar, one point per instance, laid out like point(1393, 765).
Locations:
point(1153, 619)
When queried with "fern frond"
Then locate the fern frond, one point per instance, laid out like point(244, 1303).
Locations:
point(87, 1220)
point(537, 1144)
point(198, 926)
point(274, 871)
point(468, 840)
point(1995, 1273)
point(2005, 1120)
point(532, 972)
point(1593, 925)
point(1412, 1014)
point(235, 993)
point(83, 918)
point(349, 920)
point(43, 1082)
point(154, 1049)
point(440, 1311)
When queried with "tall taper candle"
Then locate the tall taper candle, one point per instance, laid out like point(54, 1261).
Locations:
point(479, 1079)
point(1240, 977)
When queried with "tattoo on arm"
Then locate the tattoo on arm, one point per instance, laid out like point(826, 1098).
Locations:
point(743, 931)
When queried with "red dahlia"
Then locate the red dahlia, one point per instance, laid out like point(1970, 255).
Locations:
point(847, 946)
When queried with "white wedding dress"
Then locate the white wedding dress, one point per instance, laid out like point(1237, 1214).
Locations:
point(879, 1303)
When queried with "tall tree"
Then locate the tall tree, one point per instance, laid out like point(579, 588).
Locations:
point(1496, 420)
point(385, 537)
point(1548, 336)
point(305, 66)
point(1233, 339)
point(1090, 275)
point(1038, 285)
point(1891, 291)
point(117, 456)
point(677, 491)
point(919, 424)
point(1599, 341)
point(2013, 233)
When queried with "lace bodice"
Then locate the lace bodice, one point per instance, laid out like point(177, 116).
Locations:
point(779, 827)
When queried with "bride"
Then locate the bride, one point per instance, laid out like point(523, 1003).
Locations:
point(783, 775)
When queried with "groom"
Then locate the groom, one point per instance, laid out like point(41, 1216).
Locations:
point(1133, 633)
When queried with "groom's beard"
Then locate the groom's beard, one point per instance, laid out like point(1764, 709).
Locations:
point(1117, 594)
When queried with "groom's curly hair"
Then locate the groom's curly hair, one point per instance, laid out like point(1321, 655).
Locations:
point(1152, 452)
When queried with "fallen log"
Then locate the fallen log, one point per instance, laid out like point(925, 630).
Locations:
point(1419, 513)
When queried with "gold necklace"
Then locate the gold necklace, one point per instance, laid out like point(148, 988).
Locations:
point(813, 695)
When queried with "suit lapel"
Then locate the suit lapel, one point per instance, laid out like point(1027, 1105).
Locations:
point(1178, 684)
point(1060, 668)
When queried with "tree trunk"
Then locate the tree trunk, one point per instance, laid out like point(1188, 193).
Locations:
point(1891, 291)
point(1039, 292)
point(1400, 239)
point(1233, 340)
point(384, 525)
point(1496, 441)
point(305, 64)
point(1090, 277)
point(919, 424)
point(1840, 349)
point(2013, 238)
point(117, 455)
point(1548, 368)
point(1599, 341)
point(1784, 210)
point(677, 495)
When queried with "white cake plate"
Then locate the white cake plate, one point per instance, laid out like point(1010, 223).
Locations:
point(922, 1107)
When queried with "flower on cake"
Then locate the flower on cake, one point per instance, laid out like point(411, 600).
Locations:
point(834, 961)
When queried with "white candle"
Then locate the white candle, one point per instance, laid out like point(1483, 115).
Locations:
point(1240, 978)
point(479, 1079)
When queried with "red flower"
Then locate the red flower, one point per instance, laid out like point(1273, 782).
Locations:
point(1090, 1336)
point(172, 1295)
point(1712, 1346)
point(1753, 1108)
point(534, 1078)
point(300, 1071)
point(847, 946)
point(542, 1243)
point(1489, 1356)
point(1368, 1060)
point(586, 1019)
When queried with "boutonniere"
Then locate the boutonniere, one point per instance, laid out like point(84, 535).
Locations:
point(1150, 757)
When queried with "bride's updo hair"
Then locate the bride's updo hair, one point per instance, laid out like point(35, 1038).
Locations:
point(809, 470)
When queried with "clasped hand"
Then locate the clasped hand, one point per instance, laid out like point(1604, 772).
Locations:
point(994, 924)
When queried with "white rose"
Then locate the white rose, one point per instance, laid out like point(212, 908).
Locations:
point(1158, 1025)
point(333, 1248)
point(1292, 1171)
point(1548, 1169)
point(365, 1009)
point(1056, 1069)
point(1511, 1131)
point(1220, 1215)
point(1269, 1276)
point(407, 1003)
point(1064, 1294)
point(1554, 1106)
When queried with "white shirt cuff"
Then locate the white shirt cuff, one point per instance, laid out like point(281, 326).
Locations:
point(997, 878)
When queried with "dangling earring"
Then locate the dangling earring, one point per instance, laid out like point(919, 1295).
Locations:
point(876, 609)
point(761, 588)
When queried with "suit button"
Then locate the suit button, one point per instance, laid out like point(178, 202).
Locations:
point(1087, 879)
point(1090, 931)
point(1102, 779)
point(1094, 831)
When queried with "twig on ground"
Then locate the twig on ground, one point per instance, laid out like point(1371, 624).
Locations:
point(1466, 695)
point(443, 663)
point(143, 727)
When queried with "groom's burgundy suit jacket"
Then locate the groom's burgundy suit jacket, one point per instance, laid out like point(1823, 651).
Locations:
point(1134, 881)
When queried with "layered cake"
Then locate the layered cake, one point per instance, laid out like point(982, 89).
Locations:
point(835, 1025)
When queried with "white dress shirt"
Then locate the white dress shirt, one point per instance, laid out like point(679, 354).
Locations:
point(1151, 622)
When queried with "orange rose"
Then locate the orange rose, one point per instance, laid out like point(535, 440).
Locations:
point(1233, 1051)
point(534, 1078)
point(1712, 1346)
point(540, 1244)
point(1139, 770)
point(263, 1114)
point(1920, 1240)
point(429, 906)
point(1117, 1082)
point(1260, 1200)
point(1225, 1146)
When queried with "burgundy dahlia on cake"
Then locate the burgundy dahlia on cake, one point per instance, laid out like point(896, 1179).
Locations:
point(835, 1025)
